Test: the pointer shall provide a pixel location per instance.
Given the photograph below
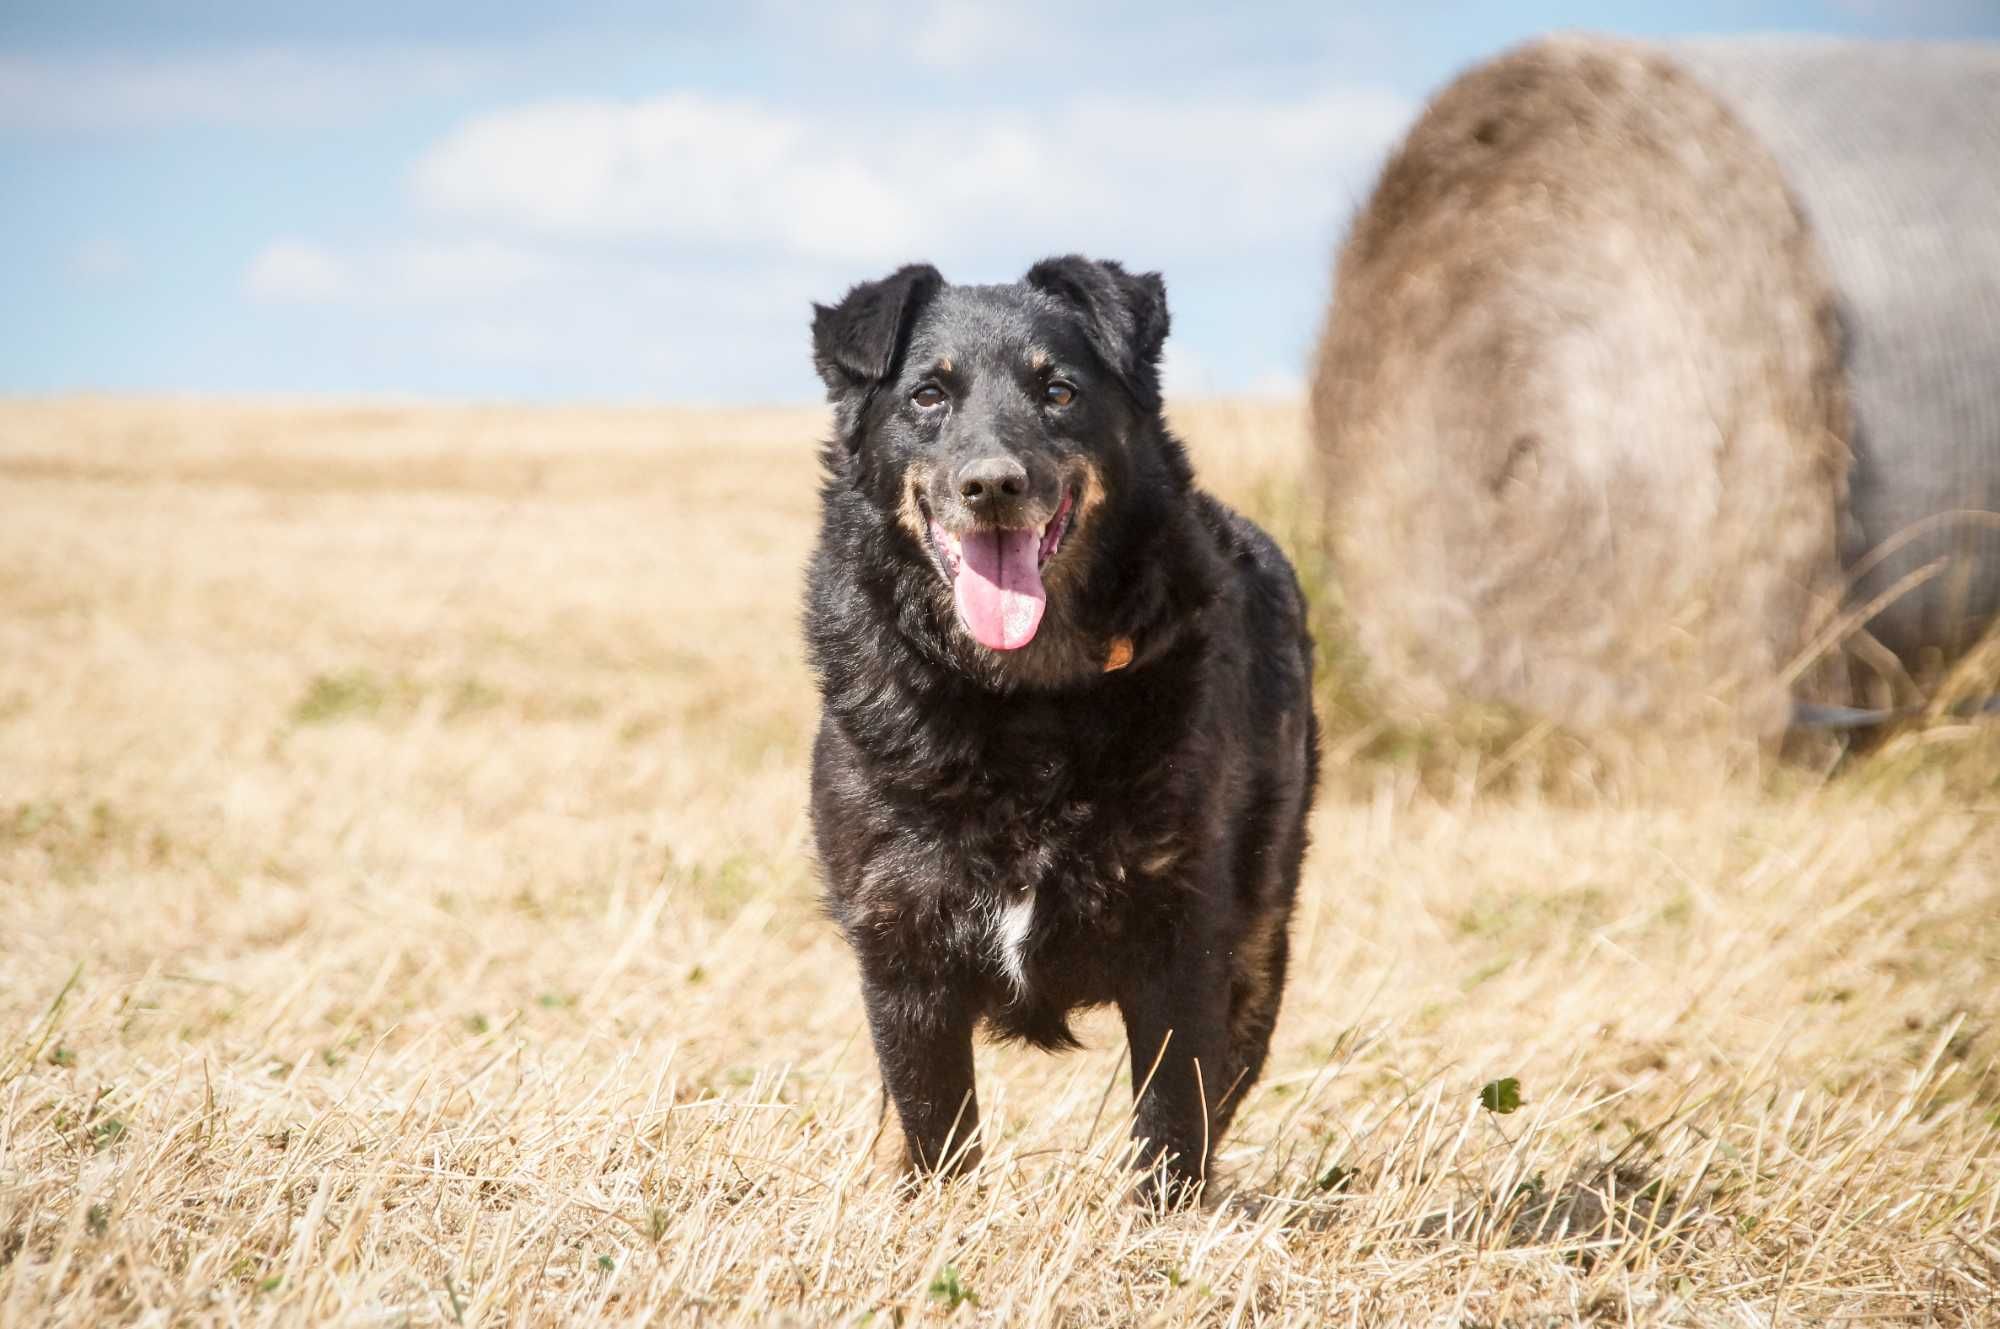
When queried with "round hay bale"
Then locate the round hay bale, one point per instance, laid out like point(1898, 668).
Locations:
point(1582, 403)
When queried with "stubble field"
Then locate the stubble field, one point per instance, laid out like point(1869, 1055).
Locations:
point(407, 917)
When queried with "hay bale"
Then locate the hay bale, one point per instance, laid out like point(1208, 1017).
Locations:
point(1582, 403)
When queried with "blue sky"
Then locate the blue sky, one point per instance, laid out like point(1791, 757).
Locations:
point(639, 202)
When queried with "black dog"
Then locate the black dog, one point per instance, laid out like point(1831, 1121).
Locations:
point(1067, 743)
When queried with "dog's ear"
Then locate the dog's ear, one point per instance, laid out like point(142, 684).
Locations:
point(856, 342)
point(1125, 314)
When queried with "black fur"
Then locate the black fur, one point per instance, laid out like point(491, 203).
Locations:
point(1153, 815)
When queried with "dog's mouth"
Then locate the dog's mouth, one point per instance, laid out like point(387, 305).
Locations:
point(996, 574)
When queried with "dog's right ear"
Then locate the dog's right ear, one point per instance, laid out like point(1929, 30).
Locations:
point(1125, 314)
point(857, 342)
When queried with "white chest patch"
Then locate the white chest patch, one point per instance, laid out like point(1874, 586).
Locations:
point(1011, 922)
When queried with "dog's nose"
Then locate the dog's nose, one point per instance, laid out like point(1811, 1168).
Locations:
point(988, 482)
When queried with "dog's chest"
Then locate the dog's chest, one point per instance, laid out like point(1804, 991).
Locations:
point(1032, 856)
point(1063, 888)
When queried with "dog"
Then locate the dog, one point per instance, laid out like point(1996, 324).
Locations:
point(1067, 743)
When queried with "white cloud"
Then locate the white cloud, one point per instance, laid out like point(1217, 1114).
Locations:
point(1150, 178)
point(671, 245)
point(296, 272)
point(608, 325)
point(438, 274)
point(679, 169)
point(954, 34)
point(508, 341)
point(481, 274)
point(101, 261)
point(464, 269)
point(254, 87)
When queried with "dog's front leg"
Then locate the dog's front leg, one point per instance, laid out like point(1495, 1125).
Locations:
point(1176, 1023)
point(923, 1041)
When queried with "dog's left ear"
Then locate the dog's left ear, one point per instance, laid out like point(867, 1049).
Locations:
point(1125, 314)
point(856, 343)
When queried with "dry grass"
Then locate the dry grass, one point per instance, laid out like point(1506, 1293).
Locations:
point(406, 917)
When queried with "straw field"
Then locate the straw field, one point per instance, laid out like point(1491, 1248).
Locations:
point(407, 917)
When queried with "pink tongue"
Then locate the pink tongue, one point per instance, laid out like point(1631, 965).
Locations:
point(999, 588)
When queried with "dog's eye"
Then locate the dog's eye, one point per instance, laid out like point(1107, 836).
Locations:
point(1059, 393)
point(927, 396)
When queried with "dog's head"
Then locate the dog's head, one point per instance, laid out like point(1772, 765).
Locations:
point(995, 426)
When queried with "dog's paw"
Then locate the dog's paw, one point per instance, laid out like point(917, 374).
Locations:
point(917, 1178)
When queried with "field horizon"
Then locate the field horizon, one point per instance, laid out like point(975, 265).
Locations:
point(407, 916)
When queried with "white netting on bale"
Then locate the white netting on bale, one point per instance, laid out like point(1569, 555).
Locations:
point(1893, 152)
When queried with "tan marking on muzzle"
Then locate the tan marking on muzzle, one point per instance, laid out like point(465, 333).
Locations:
point(1120, 655)
point(1091, 495)
point(1090, 492)
point(908, 515)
